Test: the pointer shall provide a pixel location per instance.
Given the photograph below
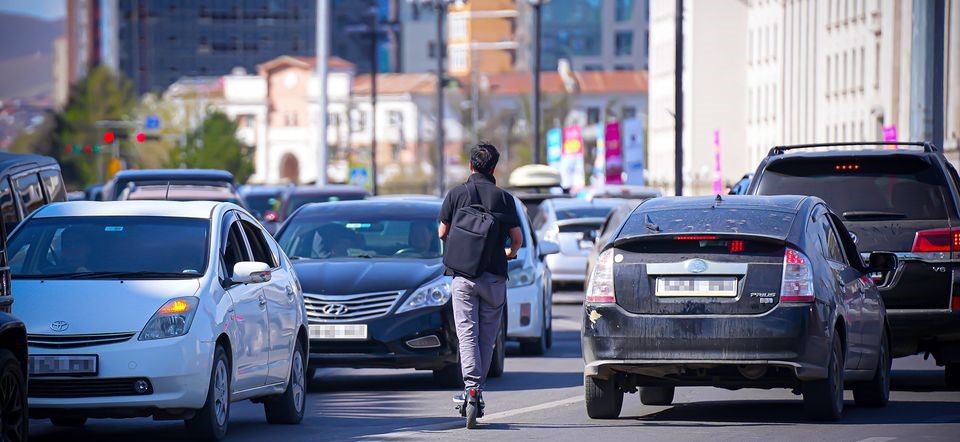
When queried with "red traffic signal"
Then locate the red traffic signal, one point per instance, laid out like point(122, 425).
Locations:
point(108, 137)
point(141, 137)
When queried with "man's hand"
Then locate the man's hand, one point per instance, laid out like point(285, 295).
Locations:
point(516, 241)
point(443, 231)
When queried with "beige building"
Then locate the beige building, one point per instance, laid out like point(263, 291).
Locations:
point(714, 77)
point(481, 37)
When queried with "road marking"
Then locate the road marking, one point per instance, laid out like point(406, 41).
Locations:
point(877, 439)
point(412, 432)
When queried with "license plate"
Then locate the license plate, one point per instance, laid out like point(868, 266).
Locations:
point(39, 365)
point(338, 331)
point(699, 286)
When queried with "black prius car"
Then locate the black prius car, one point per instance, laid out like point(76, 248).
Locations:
point(374, 287)
point(897, 197)
point(735, 292)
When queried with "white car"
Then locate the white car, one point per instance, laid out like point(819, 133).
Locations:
point(165, 309)
point(530, 293)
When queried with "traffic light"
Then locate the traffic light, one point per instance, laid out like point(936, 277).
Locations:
point(108, 137)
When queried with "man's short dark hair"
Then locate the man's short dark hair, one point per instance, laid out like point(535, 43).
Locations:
point(484, 158)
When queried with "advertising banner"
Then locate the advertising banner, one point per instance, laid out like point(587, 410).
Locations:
point(717, 175)
point(554, 147)
point(571, 161)
point(598, 176)
point(613, 153)
point(633, 151)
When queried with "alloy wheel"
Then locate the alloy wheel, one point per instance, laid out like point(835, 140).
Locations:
point(220, 393)
point(298, 380)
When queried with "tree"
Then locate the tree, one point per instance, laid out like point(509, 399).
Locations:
point(101, 95)
point(214, 145)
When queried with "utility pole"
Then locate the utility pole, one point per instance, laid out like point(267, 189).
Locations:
point(375, 13)
point(939, 17)
point(323, 58)
point(678, 104)
point(537, 6)
point(441, 7)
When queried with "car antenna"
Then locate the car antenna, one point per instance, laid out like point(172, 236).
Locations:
point(717, 201)
point(166, 195)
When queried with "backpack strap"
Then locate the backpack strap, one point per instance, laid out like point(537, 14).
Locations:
point(474, 193)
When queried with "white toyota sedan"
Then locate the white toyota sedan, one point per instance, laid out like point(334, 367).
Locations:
point(165, 309)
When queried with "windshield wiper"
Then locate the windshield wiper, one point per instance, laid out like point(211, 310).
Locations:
point(131, 275)
point(864, 214)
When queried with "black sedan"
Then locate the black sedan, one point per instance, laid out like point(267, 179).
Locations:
point(373, 285)
point(735, 292)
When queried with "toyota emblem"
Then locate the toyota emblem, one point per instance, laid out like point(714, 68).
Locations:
point(334, 309)
point(59, 326)
point(697, 266)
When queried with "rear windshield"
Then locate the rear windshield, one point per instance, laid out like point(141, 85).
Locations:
point(262, 202)
point(582, 212)
point(892, 187)
point(579, 227)
point(296, 201)
point(750, 221)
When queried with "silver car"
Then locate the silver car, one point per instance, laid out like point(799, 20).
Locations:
point(564, 221)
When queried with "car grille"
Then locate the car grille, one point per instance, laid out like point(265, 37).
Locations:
point(92, 387)
point(343, 308)
point(75, 341)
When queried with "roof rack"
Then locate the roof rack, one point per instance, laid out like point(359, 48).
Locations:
point(927, 146)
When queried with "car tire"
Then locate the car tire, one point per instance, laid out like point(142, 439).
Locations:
point(14, 419)
point(499, 354)
point(210, 422)
point(288, 408)
point(68, 421)
point(449, 376)
point(951, 375)
point(876, 392)
point(604, 399)
point(823, 398)
point(656, 395)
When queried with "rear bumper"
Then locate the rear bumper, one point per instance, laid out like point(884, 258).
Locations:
point(915, 331)
point(792, 336)
point(386, 346)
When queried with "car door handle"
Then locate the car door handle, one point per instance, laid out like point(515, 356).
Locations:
point(263, 300)
point(290, 291)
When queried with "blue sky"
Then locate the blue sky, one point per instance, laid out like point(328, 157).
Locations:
point(47, 9)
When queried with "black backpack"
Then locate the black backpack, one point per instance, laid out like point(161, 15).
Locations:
point(472, 238)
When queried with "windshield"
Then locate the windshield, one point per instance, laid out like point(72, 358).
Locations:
point(876, 189)
point(261, 203)
point(582, 212)
point(296, 201)
point(327, 236)
point(100, 246)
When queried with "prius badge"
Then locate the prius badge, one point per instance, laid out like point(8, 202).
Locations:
point(697, 266)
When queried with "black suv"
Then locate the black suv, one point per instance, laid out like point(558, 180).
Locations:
point(13, 359)
point(898, 197)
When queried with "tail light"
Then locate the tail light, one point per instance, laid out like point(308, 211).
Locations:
point(600, 285)
point(955, 303)
point(797, 283)
point(937, 244)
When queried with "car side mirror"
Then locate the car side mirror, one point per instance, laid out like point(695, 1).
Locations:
point(250, 272)
point(883, 262)
point(548, 248)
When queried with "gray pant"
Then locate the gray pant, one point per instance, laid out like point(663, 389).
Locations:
point(477, 309)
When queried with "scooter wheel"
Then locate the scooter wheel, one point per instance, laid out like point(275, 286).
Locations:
point(472, 411)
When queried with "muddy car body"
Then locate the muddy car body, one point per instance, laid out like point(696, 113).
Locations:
point(738, 292)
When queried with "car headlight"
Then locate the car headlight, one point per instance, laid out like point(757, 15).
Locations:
point(172, 319)
point(521, 276)
point(434, 293)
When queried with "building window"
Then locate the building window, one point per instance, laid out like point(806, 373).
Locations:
point(623, 67)
point(592, 67)
point(432, 49)
point(358, 120)
point(624, 43)
point(593, 115)
point(394, 118)
point(624, 10)
point(458, 27)
point(333, 120)
point(458, 59)
point(629, 112)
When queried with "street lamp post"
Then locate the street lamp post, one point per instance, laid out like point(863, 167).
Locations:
point(375, 12)
point(537, 5)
